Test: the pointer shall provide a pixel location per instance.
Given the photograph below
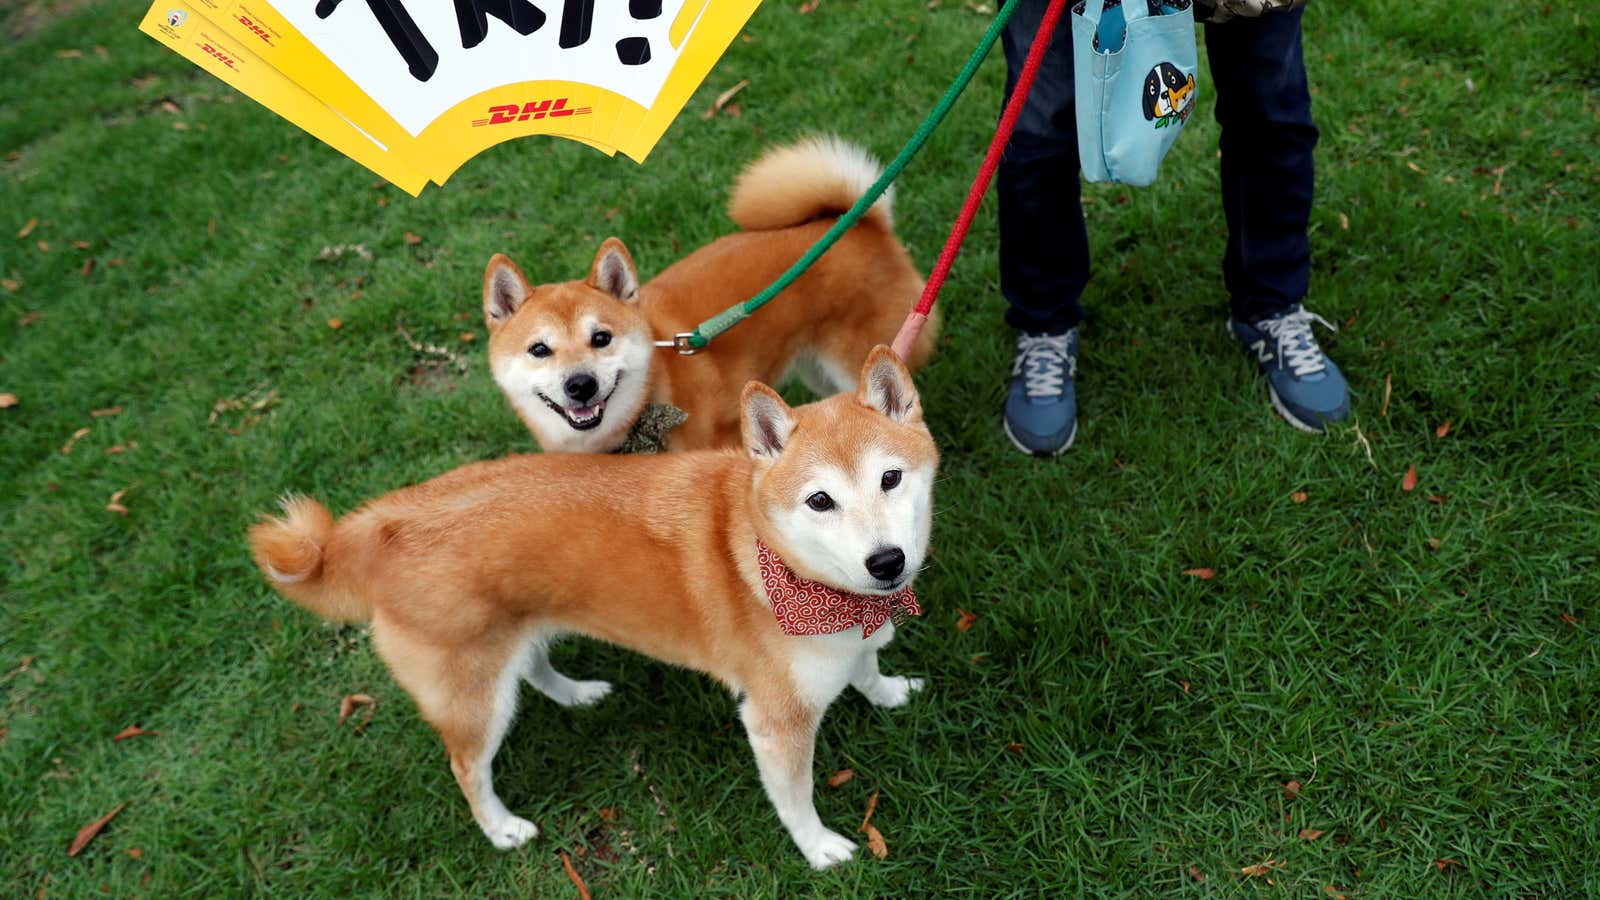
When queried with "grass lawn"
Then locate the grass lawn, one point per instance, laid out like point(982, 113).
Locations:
point(1413, 676)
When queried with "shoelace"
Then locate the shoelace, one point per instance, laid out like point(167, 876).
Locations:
point(1043, 362)
point(1296, 344)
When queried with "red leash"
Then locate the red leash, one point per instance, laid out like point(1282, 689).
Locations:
point(980, 184)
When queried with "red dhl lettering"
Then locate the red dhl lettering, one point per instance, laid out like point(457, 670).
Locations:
point(254, 29)
point(223, 57)
point(535, 109)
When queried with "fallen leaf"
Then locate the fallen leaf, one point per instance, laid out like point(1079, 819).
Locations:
point(872, 807)
point(1434, 544)
point(1184, 684)
point(1196, 874)
point(1202, 574)
point(13, 287)
point(809, 7)
point(1333, 892)
point(965, 622)
point(1310, 834)
point(350, 702)
point(577, 880)
point(87, 832)
point(723, 98)
point(1435, 499)
point(1298, 496)
point(1344, 221)
point(135, 853)
point(108, 411)
point(612, 213)
point(8, 400)
point(1388, 387)
point(1443, 429)
point(69, 54)
point(115, 504)
point(1291, 790)
point(1409, 482)
point(468, 337)
point(44, 246)
point(1014, 748)
point(875, 842)
point(733, 109)
point(28, 229)
point(841, 777)
point(76, 436)
point(1259, 869)
point(412, 239)
point(132, 731)
point(1446, 864)
point(1416, 168)
point(609, 814)
point(80, 245)
point(336, 323)
point(1570, 619)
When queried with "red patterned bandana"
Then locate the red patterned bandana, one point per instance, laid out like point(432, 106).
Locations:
point(806, 607)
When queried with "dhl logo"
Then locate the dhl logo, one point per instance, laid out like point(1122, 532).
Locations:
point(254, 29)
point(537, 109)
point(224, 58)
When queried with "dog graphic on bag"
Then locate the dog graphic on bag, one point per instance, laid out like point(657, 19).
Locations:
point(1168, 95)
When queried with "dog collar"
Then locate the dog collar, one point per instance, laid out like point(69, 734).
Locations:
point(806, 607)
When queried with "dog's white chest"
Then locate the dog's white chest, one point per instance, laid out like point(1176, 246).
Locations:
point(822, 665)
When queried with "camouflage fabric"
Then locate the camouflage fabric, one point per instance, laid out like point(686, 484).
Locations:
point(649, 434)
point(1223, 10)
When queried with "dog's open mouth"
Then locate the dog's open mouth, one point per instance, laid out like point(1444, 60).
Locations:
point(583, 418)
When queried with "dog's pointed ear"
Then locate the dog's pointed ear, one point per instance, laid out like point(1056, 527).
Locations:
point(766, 420)
point(613, 271)
point(504, 289)
point(886, 386)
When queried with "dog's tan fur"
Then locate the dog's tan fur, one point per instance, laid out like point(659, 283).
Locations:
point(466, 575)
point(821, 327)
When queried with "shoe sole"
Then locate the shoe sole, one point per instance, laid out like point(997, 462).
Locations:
point(1032, 452)
point(1272, 392)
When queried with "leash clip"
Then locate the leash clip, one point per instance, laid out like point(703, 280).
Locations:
point(679, 342)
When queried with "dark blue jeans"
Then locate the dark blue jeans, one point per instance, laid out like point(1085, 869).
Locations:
point(1264, 108)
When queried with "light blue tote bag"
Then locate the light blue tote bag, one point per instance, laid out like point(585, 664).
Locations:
point(1135, 86)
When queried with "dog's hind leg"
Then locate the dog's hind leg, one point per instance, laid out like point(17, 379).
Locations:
point(784, 739)
point(558, 687)
point(881, 689)
point(468, 695)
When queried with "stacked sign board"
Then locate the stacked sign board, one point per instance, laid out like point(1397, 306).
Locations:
point(412, 89)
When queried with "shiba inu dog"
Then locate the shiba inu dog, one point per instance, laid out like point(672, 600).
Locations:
point(576, 360)
point(776, 569)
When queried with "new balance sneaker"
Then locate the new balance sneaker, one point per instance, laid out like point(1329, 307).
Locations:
point(1306, 387)
point(1041, 416)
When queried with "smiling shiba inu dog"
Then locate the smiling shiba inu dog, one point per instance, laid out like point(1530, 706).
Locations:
point(773, 569)
point(576, 360)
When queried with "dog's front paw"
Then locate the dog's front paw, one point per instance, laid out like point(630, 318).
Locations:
point(828, 849)
point(894, 690)
point(585, 693)
point(511, 833)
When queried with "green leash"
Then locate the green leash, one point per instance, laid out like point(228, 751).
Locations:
point(690, 342)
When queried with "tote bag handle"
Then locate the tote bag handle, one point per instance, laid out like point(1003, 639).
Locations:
point(1132, 11)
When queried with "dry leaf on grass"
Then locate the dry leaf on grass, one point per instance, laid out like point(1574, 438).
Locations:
point(577, 880)
point(841, 777)
point(1260, 869)
point(132, 731)
point(1298, 496)
point(1291, 790)
point(875, 842)
point(135, 853)
point(87, 832)
point(1183, 683)
point(1435, 499)
point(1196, 874)
point(336, 324)
point(28, 229)
point(104, 413)
point(1388, 388)
point(8, 400)
point(1203, 574)
point(412, 239)
point(809, 7)
point(1333, 892)
point(1444, 865)
point(468, 337)
point(1409, 482)
point(115, 503)
point(872, 807)
point(1015, 749)
point(1570, 619)
point(1310, 834)
point(119, 449)
point(1344, 222)
point(1443, 429)
point(14, 286)
point(965, 622)
point(349, 705)
point(76, 437)
point(723, 98)
point(1434, 544)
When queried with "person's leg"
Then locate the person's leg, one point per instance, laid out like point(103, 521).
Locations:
point(1044, 246)
point(1268, 136)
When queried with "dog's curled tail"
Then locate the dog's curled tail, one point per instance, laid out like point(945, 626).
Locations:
point(818, 176)
point(292, 551)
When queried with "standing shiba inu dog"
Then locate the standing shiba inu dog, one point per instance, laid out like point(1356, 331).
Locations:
point(575, 358)
point(753, 566)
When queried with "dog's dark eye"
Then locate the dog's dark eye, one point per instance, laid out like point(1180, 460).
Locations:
point(820, 501)
point(600, 339)
point(891, 479)
point(539, 350)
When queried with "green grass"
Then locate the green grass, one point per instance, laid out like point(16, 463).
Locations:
point(1433, 703)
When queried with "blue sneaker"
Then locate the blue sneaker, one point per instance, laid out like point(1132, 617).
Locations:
point(1041, 406)
point(1306, 387)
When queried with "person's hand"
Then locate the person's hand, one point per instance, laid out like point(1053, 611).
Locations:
point(1222, 10)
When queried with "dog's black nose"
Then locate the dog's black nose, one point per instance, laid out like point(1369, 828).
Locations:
point(886, 565)
point(582, 388)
